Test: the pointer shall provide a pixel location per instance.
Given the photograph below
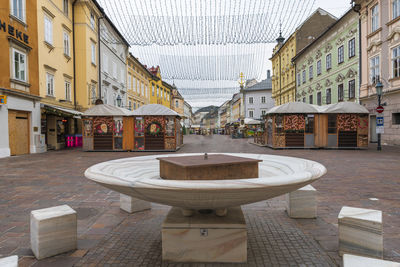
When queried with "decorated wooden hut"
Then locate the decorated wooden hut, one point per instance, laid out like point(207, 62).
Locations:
point(102, 128)
point(301, 125)
point(154, 128)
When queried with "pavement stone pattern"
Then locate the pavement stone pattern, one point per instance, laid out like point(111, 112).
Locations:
point(354, 178)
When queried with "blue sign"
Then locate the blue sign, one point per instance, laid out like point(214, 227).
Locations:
point(379, 121)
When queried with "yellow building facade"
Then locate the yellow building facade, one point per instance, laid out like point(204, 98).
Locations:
point(177, 102)
point(284, 79)
point(138, 81)
point(160, 91)
point(86, 14)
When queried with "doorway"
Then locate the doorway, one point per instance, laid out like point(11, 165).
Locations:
point(18, 132)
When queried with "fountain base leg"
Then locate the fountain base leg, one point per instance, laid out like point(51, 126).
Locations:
point(204, 237)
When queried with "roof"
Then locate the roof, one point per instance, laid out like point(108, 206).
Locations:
point(263, 85)
point(132, 57)
point(300, 107)
point(250, 121)
point(321, 35)
point(107, 110)
point(154, 110)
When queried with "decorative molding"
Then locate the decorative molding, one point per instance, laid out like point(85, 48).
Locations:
point(303, 67)
point(303, 93)
point(393, 33)
point(351, 73)
point(340, 78)
point(310, 60)
point(318, 87)
point(328, 83)
point(310, 90)
point(351, 33)
point(328, 48)
point(372, 44)
point(318, 54)
point(340, 40)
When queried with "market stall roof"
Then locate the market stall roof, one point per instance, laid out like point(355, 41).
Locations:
point(250, 121)
point(154, 110)
point(345, 107)
point(65, 110)
point(294, 107)
point(107, 110)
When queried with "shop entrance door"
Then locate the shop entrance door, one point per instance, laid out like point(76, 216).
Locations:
point(372, 129)
point(18, 132)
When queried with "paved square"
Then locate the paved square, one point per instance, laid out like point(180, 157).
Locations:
point(108, 236)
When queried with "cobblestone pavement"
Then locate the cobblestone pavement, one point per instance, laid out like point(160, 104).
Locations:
point(54, 178)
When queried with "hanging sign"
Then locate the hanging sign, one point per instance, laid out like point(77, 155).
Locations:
point(379, 125)
point(3, 99)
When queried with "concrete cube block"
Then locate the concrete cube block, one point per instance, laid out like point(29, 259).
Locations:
point(11, 261)
point(302, 203)
point(131, 204)
point(53, 231)
point(360, 232)
point(359, 261)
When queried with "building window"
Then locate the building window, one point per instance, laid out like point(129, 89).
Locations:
point(250, 100)
point(340, 54)
point(374, 18)
point(114, 70)
point(152, 89)
point(311, 72)
point(48, 30)
point(129, 81)
point(319, 67)
point(304, 76)
point(134, 105)
point(165, 94)
point(263, 99)
point(50, 84)
point(19, 64)
point(176, 103)
point(340, 92)
point(352, 89)
point(93, 49)
point(309, 124)
point(94, 94)
point(374, 69)
point(328, 62)
point(395, 8)
point(138, 105)
point(396, 62)
point(158, 91)
point(18, 9)
point(92, 23)
point(130, 105)
point(304, 100)
point(168, 97)
point(65, 7)
point(352, 47)
point(263, 112)
point(328, 96)
point(67, 86)
point(66, 44)
point(298, 79)
point(319, 99)
point(251, 113)
point(310, 98)
point(105, 95)
point(396, 118)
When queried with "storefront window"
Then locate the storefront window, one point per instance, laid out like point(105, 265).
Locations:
point(87, 127)
point(332, 123)
point(310, 124)
point(118, 130)
point(139, 126)
point(170, 126)
point(278, 123)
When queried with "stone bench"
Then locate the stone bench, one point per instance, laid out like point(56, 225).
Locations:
point(131, 204)
point(359, 261)
point(360, 232)
point(302, 203)
point(53, 231)
point(11, 261)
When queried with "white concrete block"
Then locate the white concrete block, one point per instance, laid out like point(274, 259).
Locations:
point(302, 203)
point(360, 232)
point(11, 261)
point(53, 231)
point(359, 261)
point(131, 204)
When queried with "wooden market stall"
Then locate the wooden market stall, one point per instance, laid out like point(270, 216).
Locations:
point(102, 128)
point(301, 125)
point(154, 128)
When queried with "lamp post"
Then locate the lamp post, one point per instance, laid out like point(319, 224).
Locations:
point(379, 87)
point(119, 101)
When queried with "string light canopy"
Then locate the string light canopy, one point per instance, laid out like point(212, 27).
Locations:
point(206, 40)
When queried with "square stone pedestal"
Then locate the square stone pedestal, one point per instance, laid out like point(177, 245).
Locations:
point(131, 204)
point(360, 232)
point(11, 261)
point(302, 203)
point(358, 261)
point(204, 237)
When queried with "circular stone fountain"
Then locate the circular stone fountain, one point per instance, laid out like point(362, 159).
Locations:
point(139, 177)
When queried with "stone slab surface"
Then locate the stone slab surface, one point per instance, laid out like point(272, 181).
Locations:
point(360, 232)
point(204, 237)
point(302, 203)
point(53, 231)
point(359, 261)
point(131, 204)
point(11, 261)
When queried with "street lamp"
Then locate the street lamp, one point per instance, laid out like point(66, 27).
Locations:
point(119, 101)
point(379, 87)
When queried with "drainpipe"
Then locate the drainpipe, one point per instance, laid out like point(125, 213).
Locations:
point(99, 40)
point(73, 49)
point(280, 80)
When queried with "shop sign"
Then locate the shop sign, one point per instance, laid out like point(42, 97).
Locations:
point(379, 125)
point(3, 99)
point(14, 32)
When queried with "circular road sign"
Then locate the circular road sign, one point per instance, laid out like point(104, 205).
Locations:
point(380, 109)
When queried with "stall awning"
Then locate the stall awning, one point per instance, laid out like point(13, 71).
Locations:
point(250, 121)
point(106, 110)
point(154, 110)
point(50, 109)
point(300, 107)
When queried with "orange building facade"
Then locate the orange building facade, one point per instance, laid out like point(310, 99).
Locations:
point(19, 79)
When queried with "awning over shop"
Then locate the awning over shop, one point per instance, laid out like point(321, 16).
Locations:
point(106, 110)
point(250, 121)
point(154, 110)
point(300, 107)
point(59, 111)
